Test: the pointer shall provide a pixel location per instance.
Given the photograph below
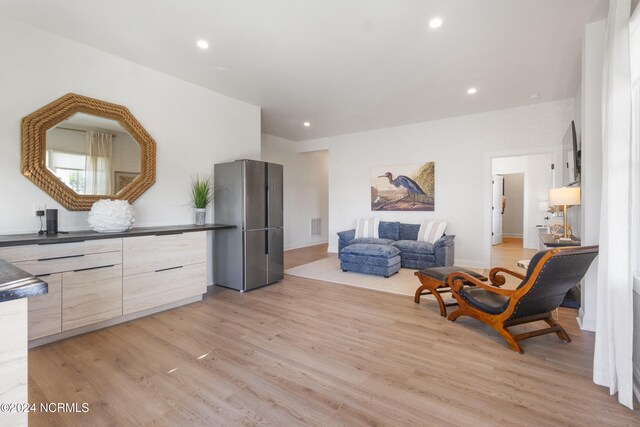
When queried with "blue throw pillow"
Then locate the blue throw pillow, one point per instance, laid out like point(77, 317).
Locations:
point(389, 230)
point(409, 231)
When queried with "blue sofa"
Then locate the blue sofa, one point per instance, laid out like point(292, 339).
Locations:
point(413, 254)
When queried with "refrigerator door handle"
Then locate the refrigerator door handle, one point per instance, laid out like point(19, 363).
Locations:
point(267, 197)
point(266, 208)
point(266, 242)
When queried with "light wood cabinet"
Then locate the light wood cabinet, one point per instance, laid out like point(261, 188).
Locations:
point(69, 263)
point(13, 360)
point(156, 288)
point(84, 278)
point(13, 254)
point(159, 270)
point(150, 253)
point(96, 283)
point(45, 315)
point(91, 296)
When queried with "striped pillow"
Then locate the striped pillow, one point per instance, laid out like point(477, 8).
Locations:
point(430, 231)
point(367, 227)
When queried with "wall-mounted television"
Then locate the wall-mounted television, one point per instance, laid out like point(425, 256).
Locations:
point(571, 160)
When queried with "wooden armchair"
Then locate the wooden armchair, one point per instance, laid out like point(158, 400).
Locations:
point(550, 275)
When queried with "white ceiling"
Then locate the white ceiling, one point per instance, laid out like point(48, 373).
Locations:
point(343, 65)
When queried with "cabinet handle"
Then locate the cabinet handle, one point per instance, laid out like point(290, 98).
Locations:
point(57, 243)
point(43, 275)
point(60, 257)
point(167, 269)
point(93, 268)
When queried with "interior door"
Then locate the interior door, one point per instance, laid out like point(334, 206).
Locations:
point(496, 209)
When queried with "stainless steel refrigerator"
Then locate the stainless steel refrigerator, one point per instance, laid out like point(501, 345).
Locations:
point(248, 194)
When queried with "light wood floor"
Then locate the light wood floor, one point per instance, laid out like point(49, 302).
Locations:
point(303, 352)
point(509, 252)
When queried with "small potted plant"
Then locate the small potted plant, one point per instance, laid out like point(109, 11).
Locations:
point(201, 197)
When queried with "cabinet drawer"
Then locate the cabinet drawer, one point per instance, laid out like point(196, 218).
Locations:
point(146, 254)
point(147, 290)
point(69, 263)
point(45, 311)
point(91, 296)
point(57, 250)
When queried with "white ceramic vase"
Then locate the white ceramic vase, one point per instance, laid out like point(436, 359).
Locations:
point(111, 216)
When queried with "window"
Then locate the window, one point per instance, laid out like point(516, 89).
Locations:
point(69, 167)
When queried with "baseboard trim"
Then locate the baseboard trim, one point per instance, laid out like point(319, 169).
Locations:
point(470, 263)
point(636, 383)
point(111, 322)
point(306, 245)
point(586, 323)
point(520, 236)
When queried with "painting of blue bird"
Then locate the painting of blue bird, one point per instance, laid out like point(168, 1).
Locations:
point(403, 187)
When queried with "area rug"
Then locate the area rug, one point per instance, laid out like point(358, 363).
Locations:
point(328, 270)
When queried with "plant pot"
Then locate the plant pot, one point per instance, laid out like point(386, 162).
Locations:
point(201, 216)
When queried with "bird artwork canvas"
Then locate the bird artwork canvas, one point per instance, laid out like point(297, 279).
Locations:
point(408, 187)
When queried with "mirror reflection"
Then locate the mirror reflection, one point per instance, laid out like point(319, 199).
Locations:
point(92, 155)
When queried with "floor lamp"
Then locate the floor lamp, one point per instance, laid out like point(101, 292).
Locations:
point(565, 197)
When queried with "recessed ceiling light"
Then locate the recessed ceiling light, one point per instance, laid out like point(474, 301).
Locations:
point(472, 90)
point(535, 95)
point(435, 23)
point(306, 124)
point(202, 44)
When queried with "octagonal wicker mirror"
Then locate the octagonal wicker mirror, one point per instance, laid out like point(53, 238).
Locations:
point(80, 150)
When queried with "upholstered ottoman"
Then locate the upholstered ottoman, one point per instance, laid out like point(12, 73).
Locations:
point(433, 280)
point(380, 260)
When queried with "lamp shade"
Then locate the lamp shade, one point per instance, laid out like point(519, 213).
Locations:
point(564, 196)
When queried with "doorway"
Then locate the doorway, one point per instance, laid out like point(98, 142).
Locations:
point(508, 207)
point(525, 182)
point(497, 208)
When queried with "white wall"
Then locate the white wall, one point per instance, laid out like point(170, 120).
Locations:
point(513, 218)
point(461, 147)
point(192, 126)
point(306, 189)
point(591, 180)
point(538, 179)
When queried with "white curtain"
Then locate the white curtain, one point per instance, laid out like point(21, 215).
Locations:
point(98, 165)
point(612, 362)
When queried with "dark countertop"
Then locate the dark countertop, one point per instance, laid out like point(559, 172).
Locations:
point(16, 283)
point(550, 242)
point(78, 236)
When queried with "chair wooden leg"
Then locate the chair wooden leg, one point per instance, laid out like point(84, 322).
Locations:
point(418, 292)
point(509, 338)
point(443, 309)
point(453, 316)
point(561, 333)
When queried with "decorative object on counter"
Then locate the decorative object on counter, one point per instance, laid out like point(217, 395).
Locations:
point(201, 197)
point(52, 221)
point(565, 197)
point(111, 216)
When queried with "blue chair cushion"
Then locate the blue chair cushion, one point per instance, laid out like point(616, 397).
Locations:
point(370, 241)
point(371, 250)
point(414, 247)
